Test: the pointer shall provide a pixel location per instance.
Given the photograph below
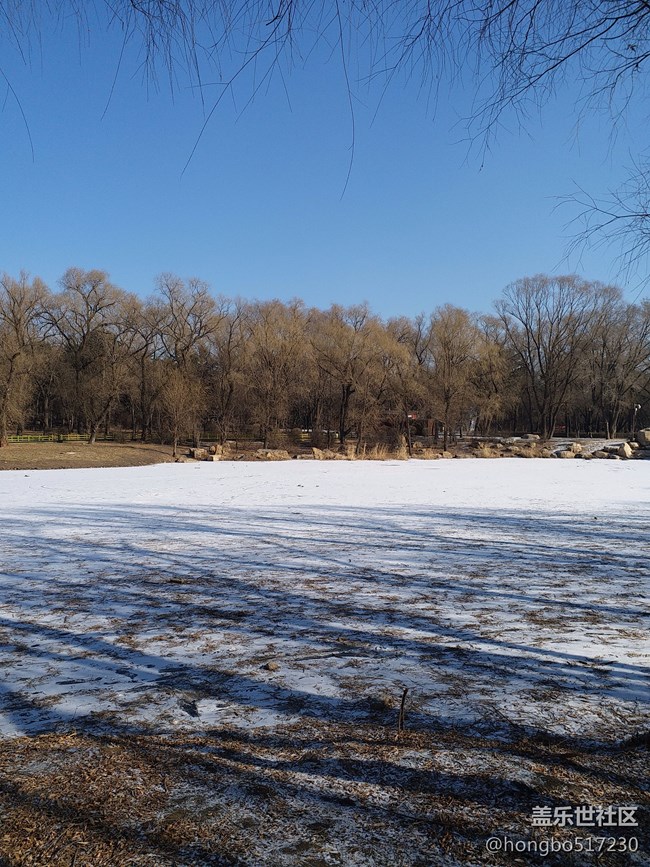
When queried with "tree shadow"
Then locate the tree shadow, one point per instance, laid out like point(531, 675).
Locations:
point(160, 621)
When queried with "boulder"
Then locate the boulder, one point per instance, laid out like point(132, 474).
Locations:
point(273, 455)
point(327, 455)
point(643, 438)
point(624, 451)
point(446, 455)
point(613, 457)
point(213, 457)
point(567, 453)
point(576, 448)
point(600, 453)
point(198, 454)
point(530, 437)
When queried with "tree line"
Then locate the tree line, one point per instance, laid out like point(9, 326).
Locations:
point(556, 354)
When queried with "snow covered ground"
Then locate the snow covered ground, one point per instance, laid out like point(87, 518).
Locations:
point(503, 594)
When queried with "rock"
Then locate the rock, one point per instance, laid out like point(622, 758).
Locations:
point(198, 454)
point(213, 457)
point(643, 438)
point(327, 455)
point(624, 451)
point(273, 455)
point(633, 445)
point(216, 449)
point(576, 448)
point(566, 454)
point(446, 455)
point(600, 453)
point(613, 457)
point(530, 437)
point(586, 456)
point(272, 666)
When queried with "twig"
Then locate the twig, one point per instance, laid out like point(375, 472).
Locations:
point(400, 718)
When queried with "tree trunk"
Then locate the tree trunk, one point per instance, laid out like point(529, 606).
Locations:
point(346, 392)
point(409, 442)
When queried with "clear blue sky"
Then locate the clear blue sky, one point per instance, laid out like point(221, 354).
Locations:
point(261, 210)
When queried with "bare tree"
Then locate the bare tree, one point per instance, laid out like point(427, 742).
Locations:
point(547, 321)
point(346, 345)
point(182, 403)
point(88, 319)
point(144, 323)
point(453, 350)
point(225, 363)
point(617, 359)
point(186, 314)
point(277, 352)
point(21, 309)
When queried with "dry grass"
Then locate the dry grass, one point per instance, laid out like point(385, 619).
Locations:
point(299, 796)
point(75, 455)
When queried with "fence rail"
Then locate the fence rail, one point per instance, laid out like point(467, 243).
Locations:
point(56, 438)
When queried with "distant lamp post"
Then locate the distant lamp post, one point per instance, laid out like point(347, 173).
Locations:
point(637, 407)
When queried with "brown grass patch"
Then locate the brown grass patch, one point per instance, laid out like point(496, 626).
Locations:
point(77, 455)
point(287, 797)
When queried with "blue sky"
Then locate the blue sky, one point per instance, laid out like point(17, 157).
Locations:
point(263, 209)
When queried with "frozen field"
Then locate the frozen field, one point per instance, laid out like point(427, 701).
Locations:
point(253, 600)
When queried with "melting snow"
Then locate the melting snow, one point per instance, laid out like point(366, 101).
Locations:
point(181, 597)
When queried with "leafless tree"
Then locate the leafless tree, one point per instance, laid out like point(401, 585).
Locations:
point(547, 321)
point(617, 359)
point(88, 319)
point(182, 400)
point(453, 350)
point(346, 347)
point(21, 311)
point(277, 350)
